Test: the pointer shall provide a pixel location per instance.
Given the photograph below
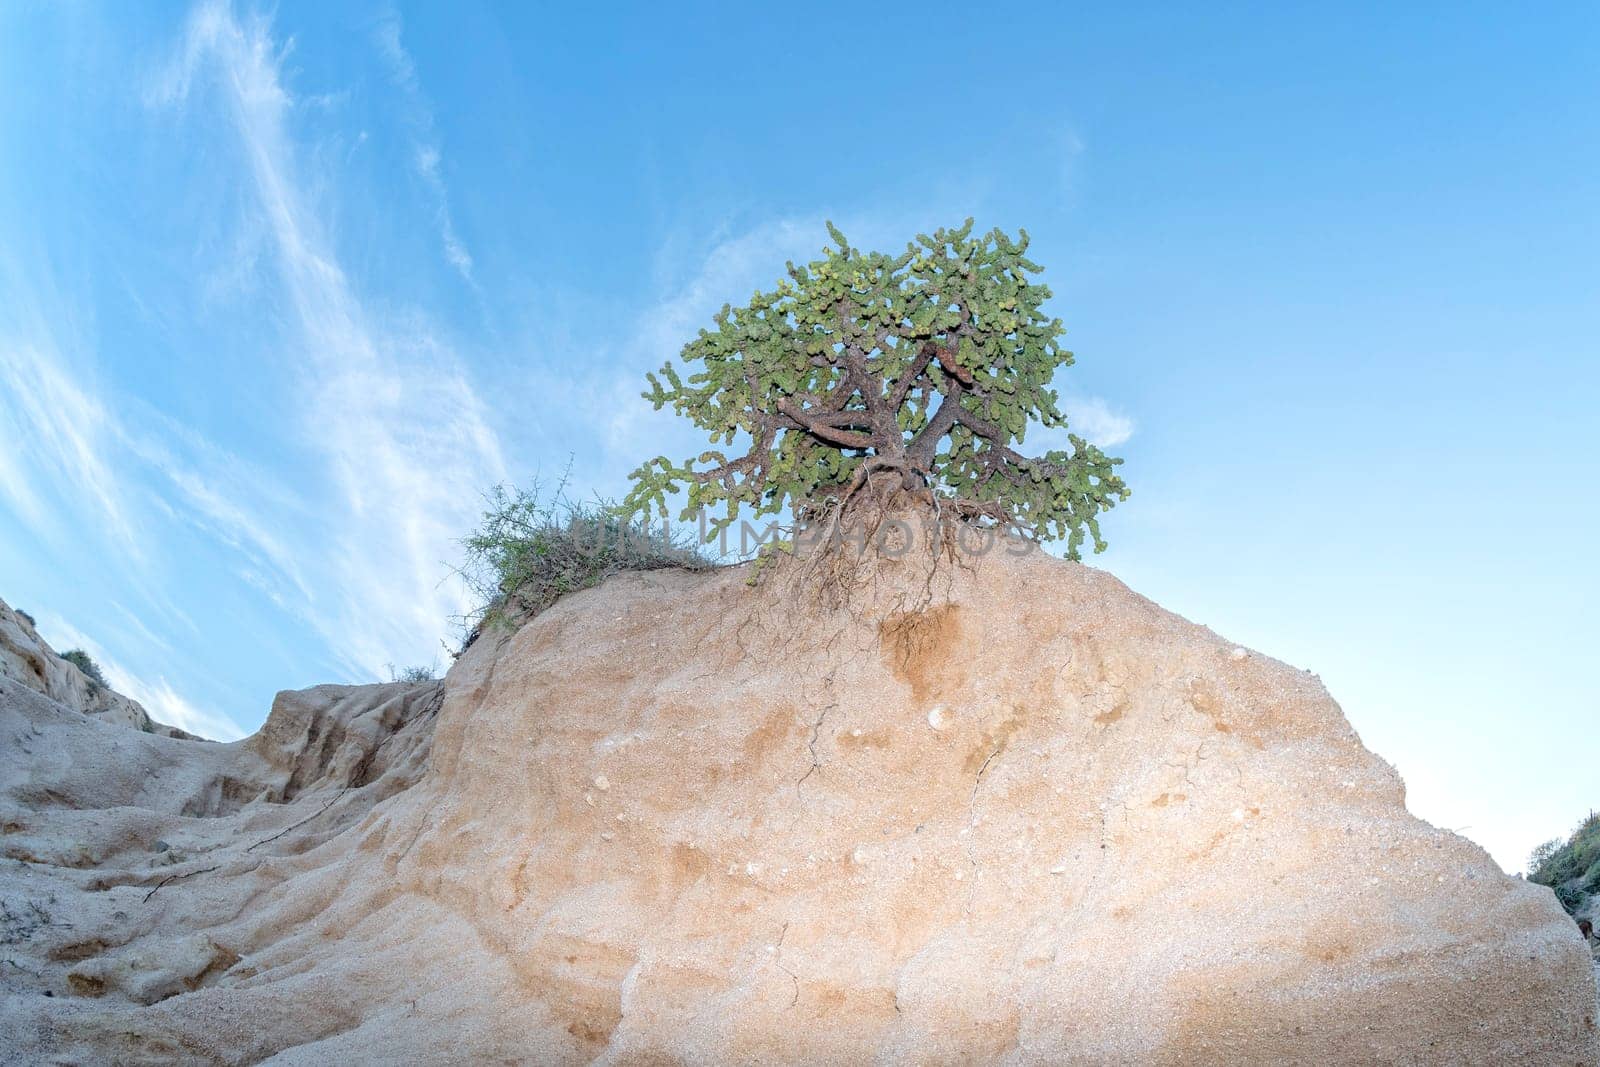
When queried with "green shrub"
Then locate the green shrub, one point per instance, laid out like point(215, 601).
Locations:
point(81, 660)
point(411, 675)
point(1571, 867)
point(1570, 896)
point(528, 552)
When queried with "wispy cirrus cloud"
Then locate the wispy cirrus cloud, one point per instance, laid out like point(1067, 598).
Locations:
point(73, 455)
point(358, 547)
point(57, 433)
point(237, 503)
point(77, 473)
point(425, 155)
point(164, 703)
point(692, 290)
point(1095, 420)
point(404, 436)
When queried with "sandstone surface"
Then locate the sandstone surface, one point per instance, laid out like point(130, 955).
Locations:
point(27, 659)
point(1018, 815)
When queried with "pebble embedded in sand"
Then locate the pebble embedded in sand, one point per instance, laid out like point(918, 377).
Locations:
point(938, 718)
point(1238, 654)
point(601, 782)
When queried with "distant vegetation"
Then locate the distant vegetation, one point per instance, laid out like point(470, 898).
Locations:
point(25, 615)
point(1571, 867)
point(91, 670)
point(530, 550)
point(412, 675)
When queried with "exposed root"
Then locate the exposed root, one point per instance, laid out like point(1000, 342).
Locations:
point(979, 780)
point(778, 961)
point(169, 879)
point(844, 555)
point(816, 731)
point(972, 817)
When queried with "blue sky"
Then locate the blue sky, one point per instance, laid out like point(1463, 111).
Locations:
point(282, 291)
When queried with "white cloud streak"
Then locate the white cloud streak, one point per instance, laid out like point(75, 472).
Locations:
point(57, 436)
point(74, 471)
point(1094, 420)
point(405, 437)
point(424, 138)
point(70, 453)
point(227, 498)
point(164, 703)
point(734, 265)
point(361, 551)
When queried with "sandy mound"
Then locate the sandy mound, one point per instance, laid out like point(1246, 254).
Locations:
point(1036, 819)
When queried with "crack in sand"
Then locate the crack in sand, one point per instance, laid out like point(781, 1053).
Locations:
point(972, 820)
point(777, 960)
point(816, 732)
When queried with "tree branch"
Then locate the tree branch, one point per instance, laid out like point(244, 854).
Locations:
point(820, 427)
point(951, 367)
point(913, 373)
point(926, 442)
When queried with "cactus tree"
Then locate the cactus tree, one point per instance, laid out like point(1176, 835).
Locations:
point(864, 372)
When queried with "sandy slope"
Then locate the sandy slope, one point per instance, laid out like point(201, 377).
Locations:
point(26, 659)
point(1031, 818)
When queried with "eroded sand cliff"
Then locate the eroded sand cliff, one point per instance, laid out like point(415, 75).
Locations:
point(1026, 816)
